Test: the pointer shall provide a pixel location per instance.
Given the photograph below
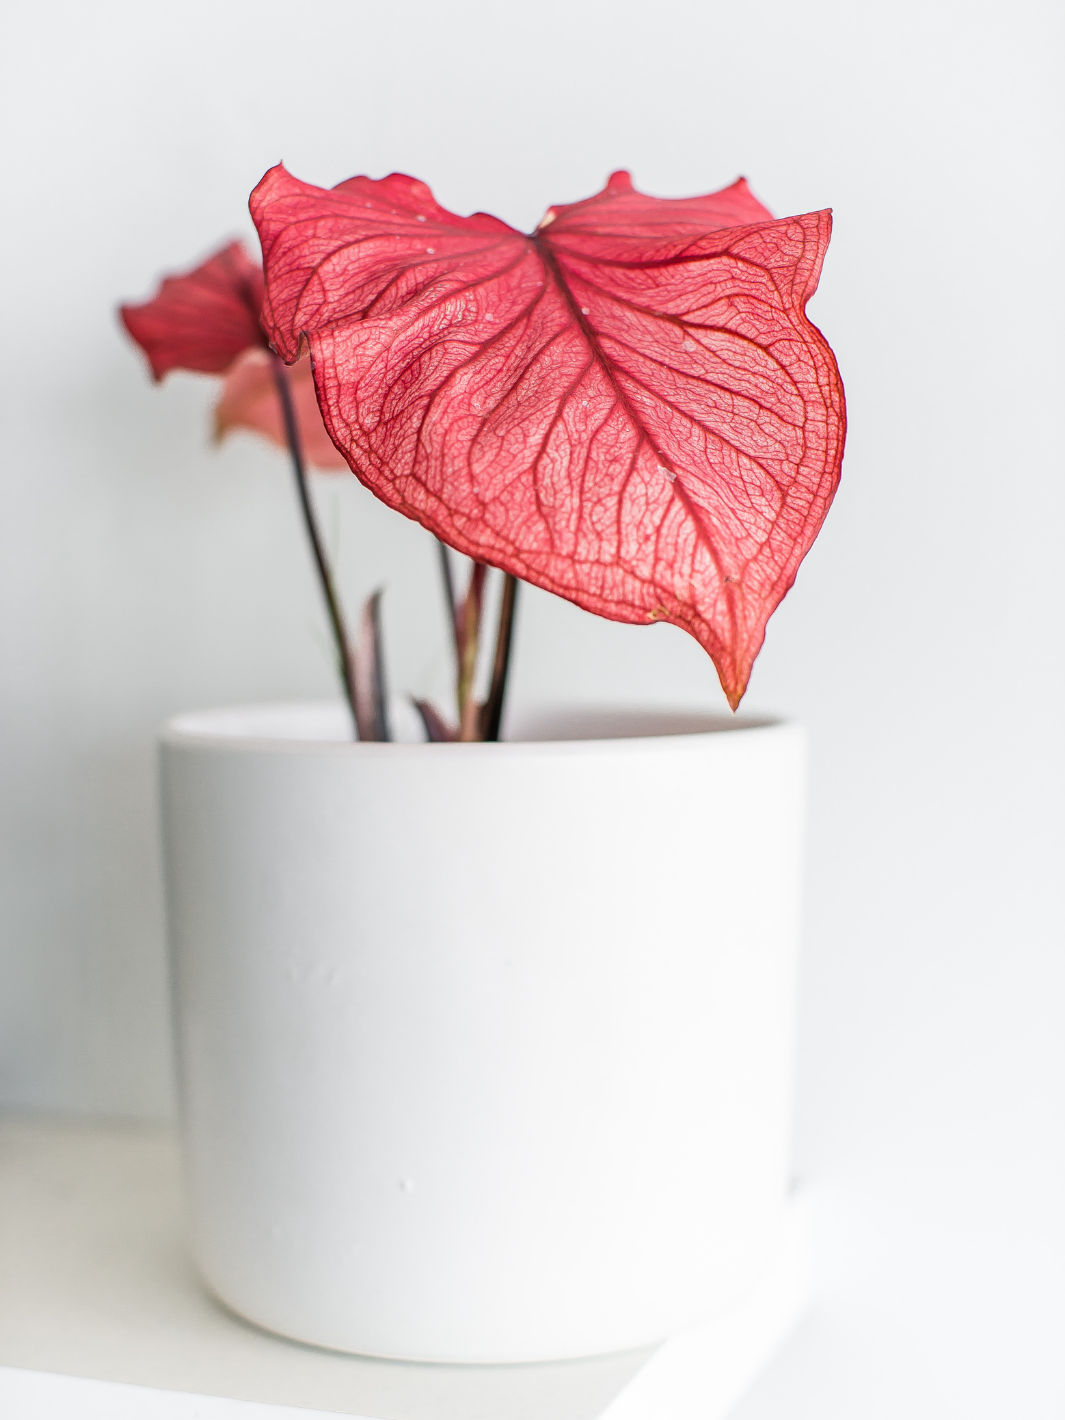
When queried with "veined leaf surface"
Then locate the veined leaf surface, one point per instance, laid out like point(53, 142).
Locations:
point(627, 407)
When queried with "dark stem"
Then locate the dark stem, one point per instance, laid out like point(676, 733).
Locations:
point(469, 641)
point(449, 595)
point(336, 619)
point(492, 709)
point(379, 687)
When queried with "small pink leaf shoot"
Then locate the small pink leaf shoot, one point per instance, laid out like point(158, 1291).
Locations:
point(371, 711)
point(627, 407)
point(437, 730)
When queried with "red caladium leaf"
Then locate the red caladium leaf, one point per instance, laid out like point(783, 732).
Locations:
point(208, 321)
point(628, 407)
point(204, 320)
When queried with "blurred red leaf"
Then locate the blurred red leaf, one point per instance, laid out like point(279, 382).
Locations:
point(627, 407)
point(207, 321)
point(202, 321)
point(249, 401)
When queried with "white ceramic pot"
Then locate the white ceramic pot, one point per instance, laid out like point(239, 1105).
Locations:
point(485, 1050)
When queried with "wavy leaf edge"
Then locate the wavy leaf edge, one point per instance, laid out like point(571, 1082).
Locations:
point(349, 278)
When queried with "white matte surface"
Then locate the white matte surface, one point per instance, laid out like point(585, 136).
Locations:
point(486, 1049)
point(94, 1284)
point(40, 1395)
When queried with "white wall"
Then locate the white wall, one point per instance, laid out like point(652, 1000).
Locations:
point(142, 572)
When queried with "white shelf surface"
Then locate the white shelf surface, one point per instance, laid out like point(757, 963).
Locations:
point(102, 1316)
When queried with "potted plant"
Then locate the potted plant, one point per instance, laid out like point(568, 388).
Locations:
point(485, 1047)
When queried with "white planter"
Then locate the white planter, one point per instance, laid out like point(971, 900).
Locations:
point(485, 1050)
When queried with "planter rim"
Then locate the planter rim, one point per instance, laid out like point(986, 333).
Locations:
point(218, 729)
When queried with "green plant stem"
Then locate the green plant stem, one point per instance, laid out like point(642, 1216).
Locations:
point(336, 618)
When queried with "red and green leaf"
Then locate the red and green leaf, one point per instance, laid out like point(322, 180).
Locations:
point(628, 407)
